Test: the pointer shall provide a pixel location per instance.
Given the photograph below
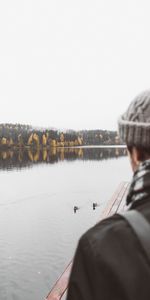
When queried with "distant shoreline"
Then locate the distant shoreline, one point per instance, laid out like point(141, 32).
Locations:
point(5, 147)
point(18, 135)
point(97, 146)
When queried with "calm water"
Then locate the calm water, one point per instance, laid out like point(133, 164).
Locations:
point(38, 227)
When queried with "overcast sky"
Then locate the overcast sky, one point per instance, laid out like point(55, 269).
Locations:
point(72, 64)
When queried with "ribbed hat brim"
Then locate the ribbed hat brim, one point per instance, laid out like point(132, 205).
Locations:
point(134, 133)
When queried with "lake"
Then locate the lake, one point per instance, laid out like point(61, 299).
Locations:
point(39, 227)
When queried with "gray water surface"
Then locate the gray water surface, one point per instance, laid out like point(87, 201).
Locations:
point(38, 227)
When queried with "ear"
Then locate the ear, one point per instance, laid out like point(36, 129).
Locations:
point(134, 158)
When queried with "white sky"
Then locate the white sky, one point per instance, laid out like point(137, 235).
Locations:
point(72, 64)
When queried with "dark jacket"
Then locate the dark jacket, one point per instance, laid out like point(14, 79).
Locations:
point(110, 263)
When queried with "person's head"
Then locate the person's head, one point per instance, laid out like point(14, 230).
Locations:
point(134, 129)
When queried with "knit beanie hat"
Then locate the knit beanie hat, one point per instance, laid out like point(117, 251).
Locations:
point(134, 124)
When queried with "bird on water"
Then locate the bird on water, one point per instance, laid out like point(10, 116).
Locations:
point(75, 208)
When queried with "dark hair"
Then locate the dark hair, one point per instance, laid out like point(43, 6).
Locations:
point(144, 153)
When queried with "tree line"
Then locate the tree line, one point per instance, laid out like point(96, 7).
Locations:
point(99, 137)
point(19, 135)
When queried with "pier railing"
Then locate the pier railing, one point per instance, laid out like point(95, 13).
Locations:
point(116, 203)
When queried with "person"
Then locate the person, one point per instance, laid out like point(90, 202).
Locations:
point(110, 263)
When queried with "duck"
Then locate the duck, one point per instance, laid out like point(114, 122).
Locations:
point(75, 208)
point(94, 205)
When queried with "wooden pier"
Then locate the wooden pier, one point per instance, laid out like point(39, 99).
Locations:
point(116, 203)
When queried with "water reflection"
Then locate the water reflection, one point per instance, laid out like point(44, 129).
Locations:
point(10, 159)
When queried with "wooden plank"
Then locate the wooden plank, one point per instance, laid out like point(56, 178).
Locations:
point(119, 199)
point(119, 192)
point(115, 203)
point(122, 206)
point(61, 285)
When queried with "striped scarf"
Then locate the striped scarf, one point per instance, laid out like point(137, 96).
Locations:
point(140, 185)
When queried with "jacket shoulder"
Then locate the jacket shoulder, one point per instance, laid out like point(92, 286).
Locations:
point(106, 233)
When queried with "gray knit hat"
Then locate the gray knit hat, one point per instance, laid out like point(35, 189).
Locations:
point(134, 124)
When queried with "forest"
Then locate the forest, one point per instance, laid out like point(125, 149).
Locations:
point(19, 135)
